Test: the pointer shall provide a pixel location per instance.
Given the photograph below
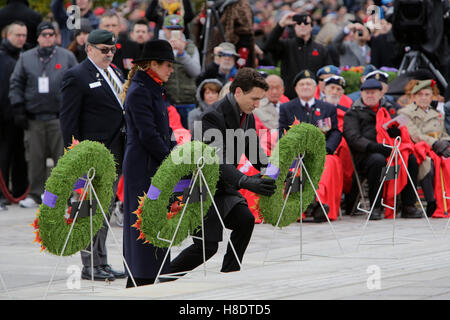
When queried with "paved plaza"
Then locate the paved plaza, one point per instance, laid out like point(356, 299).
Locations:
point(401, 259)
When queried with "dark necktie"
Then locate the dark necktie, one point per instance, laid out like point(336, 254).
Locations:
point(308, 109)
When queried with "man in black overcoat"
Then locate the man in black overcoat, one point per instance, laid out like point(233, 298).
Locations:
point(233, 112)
point(92, 110)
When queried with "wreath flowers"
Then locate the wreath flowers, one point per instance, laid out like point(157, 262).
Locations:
point(51, 225)
point(301, 138)
point(154, 222)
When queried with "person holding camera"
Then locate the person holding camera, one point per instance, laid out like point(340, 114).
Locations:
point(355, 51)
point(297, 53)
point(181, 87)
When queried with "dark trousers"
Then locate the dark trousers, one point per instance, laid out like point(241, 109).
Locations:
point(373, 166)
point(99, 240)
point(12, 159)
point(241, 221)
point(427, 184)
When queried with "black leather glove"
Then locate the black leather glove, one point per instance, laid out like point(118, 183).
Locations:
point(379, 148)
point(258, 185)
point(20, 116)
point(394, 132)
point(440, 146)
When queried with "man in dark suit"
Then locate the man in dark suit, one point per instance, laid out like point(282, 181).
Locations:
point(92, 110)
point(233, 112)
point(305, 108)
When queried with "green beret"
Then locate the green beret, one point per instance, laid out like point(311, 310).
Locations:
point(100, 36)
point(422, 85)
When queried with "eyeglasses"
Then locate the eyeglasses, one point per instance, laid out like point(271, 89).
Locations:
point(225, 55)
point(105, 50)
point(47, 34)
point(305, 22)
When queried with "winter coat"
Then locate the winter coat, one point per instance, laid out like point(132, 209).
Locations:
point(294, 110)
point(360, 127)
point(223, 115)
point(24, 80)
point(424, 126)
point(148, 143)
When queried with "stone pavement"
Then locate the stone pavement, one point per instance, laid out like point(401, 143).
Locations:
point(302, 261)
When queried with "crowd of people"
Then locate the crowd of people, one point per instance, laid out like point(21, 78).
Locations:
point(134, 75)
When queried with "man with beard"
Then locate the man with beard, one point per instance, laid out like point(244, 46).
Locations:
point(91, 109)
point(225, 69)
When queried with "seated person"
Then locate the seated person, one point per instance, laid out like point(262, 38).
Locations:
point(323, 74)
point(305, 108)
point(360, 132)
point(426, 125)
point(334, 87)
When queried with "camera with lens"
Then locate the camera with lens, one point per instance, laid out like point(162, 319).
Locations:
point(300, 18)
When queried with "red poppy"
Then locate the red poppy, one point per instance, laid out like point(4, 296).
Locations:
point(118, 46)
point(433, 83)
point(315, 53)
point(58, 66)
point(392, 111)
point(317, 112)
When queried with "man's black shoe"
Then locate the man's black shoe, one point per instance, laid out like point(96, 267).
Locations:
point(99, 274)
point(116, 274)
point(411, 212)
point(318, 214)
point(377, 214)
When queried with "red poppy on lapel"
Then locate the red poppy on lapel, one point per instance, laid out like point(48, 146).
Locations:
point(58, 66)
point(315, 53)
point(392, 111)
point(317, 112)
point(118, 46)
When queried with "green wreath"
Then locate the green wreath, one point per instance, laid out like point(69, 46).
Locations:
point(301, 138)
point(153, 220)
point(51, 225)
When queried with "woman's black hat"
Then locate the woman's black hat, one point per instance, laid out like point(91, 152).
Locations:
point(158, 49)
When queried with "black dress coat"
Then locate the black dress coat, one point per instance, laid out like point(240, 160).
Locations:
point(360, 128)
point(91, 112)
point(223, 115)
point(148, 144)
point(293, 109)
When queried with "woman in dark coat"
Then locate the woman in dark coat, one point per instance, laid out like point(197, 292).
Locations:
point(148, 143)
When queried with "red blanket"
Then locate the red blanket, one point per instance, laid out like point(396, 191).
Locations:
point(331, 184)
point(406, 148)
point(441, 166)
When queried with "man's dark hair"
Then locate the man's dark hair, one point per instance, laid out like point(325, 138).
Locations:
point(247, 79)
point(140, 21)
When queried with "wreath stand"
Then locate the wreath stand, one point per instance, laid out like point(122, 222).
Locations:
point(195, 195)
point(90, 190)
point(444, 196)
point(4, 286)
point(298, 182)
point(395, 154)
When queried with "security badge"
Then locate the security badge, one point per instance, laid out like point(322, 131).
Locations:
point(97, 83)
